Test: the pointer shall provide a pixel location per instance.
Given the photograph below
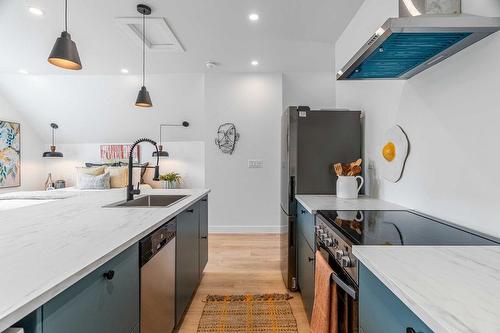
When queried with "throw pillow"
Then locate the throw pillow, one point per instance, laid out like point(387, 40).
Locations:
point(91, 182)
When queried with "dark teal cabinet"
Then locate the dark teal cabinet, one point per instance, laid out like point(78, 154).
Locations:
point(381, 311)
point(187, 258)
point(305, 257)
point(305, 273)
point(32, 323)
point(99, 304)
point(305, 224)
point(203, 234)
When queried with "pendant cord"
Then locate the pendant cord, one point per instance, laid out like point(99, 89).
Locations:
point(66, 15)
point(143, 48)
point(53, 138)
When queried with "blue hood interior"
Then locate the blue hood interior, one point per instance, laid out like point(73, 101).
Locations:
point(405, 46)
point(402, 52)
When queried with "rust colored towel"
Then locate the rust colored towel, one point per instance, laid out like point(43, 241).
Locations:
point(324, 316)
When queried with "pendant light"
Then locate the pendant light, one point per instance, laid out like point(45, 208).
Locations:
point(64, 53)
point(53, 152)
point(161, 152)
point(143, 98)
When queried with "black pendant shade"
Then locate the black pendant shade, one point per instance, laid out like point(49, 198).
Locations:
point(65, 54)
point(53, 152)
point(161, 152)
point(143, 99)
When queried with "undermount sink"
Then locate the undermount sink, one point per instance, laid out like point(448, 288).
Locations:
point(150, 201)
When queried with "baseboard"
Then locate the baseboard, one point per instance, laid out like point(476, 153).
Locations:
point(240, 229)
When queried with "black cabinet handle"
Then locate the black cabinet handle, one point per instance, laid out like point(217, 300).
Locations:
point(190, 210)
point(204, 237)
point(204, 199)
point(311, 259)
point(109, 275)
point(410, 330)
point(302, 211)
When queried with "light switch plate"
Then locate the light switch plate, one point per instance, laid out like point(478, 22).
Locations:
point(255, 164)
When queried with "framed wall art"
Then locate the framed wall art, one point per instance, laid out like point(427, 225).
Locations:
point(10, 154)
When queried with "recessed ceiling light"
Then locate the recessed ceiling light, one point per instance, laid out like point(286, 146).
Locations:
point(35, 11)
point(124, 71)
point(253, 17)
point(255, 63)
point(23, 71)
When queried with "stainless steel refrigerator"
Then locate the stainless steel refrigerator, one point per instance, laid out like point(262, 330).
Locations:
point(310, 142)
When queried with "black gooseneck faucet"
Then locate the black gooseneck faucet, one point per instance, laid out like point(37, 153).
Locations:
point(130, 187)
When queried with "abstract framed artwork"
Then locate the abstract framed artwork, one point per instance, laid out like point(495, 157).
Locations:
point(10, 154)
point(118, 153)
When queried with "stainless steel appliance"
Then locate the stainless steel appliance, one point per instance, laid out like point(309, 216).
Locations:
point(157, 260)
point(310, 142)
point(426, 33)
point(337, 231)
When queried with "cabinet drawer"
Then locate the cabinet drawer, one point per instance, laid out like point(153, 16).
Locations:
point(381, 310)
point(96, 304)
point(305, 224)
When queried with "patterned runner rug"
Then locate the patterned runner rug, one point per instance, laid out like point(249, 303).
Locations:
point(248, 313)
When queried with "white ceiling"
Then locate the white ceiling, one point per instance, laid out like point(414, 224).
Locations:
point(291, 35)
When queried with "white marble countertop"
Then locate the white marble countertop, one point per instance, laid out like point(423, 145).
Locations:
point(451, 289)
point(46, 248)
point(313, 203)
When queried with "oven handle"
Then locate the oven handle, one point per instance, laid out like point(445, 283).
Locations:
point(348, 289)
point(344, 286)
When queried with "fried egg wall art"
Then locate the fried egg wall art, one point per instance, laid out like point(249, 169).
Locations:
point(394, 153)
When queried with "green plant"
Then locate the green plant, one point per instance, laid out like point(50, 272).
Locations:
point(171, 177)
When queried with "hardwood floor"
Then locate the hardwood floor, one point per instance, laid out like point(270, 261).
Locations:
point(239, 264)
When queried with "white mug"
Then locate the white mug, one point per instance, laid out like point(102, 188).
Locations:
point(347, 186)
point(350, 215)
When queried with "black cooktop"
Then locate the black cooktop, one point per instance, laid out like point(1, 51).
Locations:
point(400, 228)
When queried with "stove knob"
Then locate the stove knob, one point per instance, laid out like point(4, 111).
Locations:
point(328, 242)
point(346, 261)
point(339, 254)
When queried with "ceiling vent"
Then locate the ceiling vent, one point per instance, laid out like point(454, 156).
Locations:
point(159, 36)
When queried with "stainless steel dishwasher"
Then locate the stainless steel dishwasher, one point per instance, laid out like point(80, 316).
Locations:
point(157, 260)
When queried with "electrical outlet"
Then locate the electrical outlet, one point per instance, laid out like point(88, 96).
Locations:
point(255, 164)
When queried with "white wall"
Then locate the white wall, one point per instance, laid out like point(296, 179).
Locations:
point(314, 89)
point(32, 175)
point(100, 108)
point(243, 199)
point(450, 114)
point(186, 158)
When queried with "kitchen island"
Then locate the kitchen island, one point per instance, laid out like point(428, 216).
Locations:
point(47, 248)
point(448, 289)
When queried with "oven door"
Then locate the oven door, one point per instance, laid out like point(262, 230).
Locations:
point(347, 294)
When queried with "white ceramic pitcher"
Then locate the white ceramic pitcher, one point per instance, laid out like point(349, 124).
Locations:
point(348, 188)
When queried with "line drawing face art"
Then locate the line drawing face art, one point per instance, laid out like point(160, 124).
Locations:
point(227, 137)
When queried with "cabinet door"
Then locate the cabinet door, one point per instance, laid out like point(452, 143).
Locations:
point(381, 311)
point(305, 225)
point(97, 304)
point(203, 234)
point(305, 273)
point(187, 258)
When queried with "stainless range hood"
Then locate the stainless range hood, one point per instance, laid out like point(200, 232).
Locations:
point(426, 33)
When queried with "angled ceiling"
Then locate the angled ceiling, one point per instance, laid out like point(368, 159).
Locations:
point(291, 35)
